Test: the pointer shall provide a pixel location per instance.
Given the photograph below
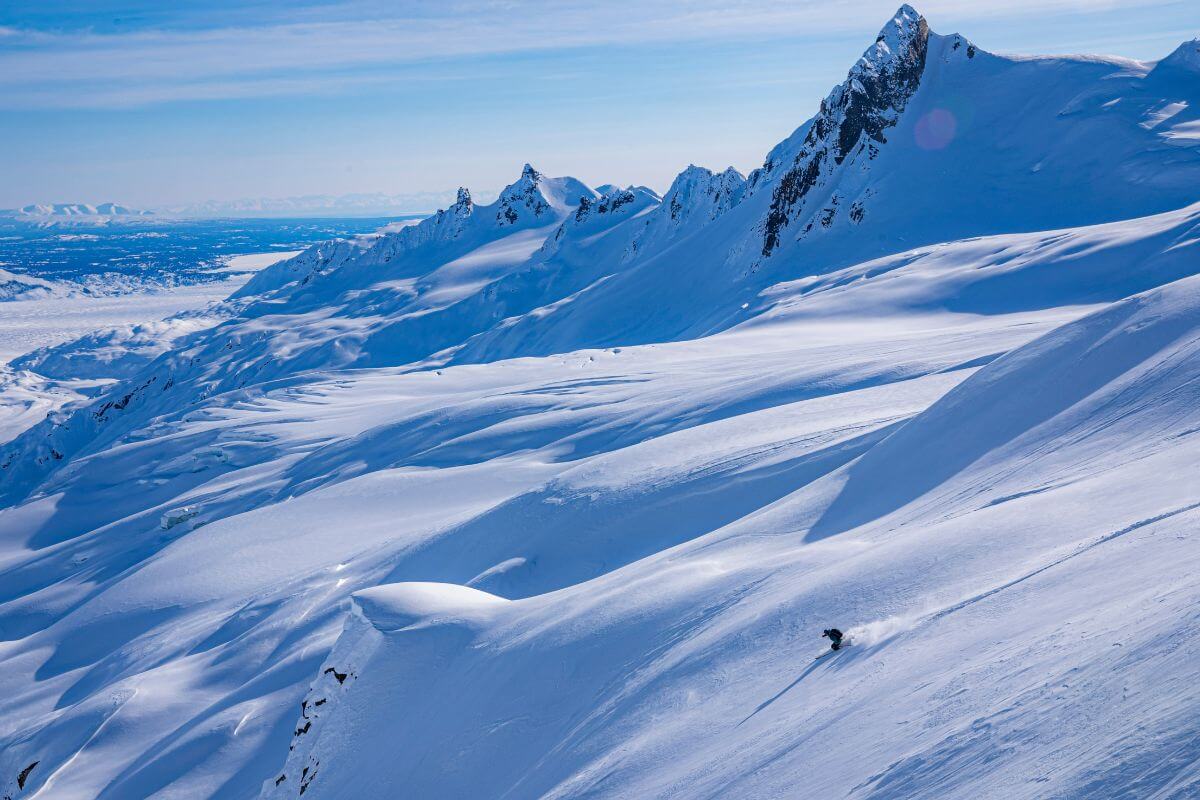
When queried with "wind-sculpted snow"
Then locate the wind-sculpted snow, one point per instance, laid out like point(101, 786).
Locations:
point(681, 675)
point(1004, 274)
point(1084, 384)
point(552, 497)
point(678, 501)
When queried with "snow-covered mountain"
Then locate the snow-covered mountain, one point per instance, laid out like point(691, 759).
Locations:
point(553, 496)
point(80, 210)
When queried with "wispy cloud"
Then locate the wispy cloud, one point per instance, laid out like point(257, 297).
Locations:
point(335, 46)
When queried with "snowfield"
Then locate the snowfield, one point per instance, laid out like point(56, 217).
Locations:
point(28, 324)
point(553, 497)
point(57, 345)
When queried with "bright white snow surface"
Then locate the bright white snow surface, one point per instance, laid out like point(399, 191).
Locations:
point(29, 324)
point(253, 262)
point(553, 497)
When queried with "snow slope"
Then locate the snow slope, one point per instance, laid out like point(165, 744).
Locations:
point(27, 398)
point(552, 497)
point(973, 548)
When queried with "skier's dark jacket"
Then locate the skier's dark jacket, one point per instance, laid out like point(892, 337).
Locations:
point(835, 636)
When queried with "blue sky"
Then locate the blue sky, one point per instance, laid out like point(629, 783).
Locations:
point(153, 103)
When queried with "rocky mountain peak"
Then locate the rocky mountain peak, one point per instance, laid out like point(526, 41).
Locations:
point(522, 198)
point(696, 197)
point(896, 39)
point(528, 173)
point(699, 188)
point(852, 121)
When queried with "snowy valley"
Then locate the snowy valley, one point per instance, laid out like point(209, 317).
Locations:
point(552, 497)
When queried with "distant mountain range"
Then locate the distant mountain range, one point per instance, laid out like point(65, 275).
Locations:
point(375, 204)
point(77, 210)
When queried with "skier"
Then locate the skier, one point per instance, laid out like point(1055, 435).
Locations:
point(835, 636)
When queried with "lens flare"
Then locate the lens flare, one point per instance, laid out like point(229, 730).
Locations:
point(936, 129)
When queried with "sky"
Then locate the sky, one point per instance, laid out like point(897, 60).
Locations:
point(155, 104)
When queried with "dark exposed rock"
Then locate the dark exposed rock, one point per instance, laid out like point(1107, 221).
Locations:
point(585, 205)
point(24, 774)
point(610, 203)
point(792, 188)
point(306, 776)
point(872, 96)
point(121, 404)
point(463, 201)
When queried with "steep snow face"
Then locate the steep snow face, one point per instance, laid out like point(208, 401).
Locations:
point(635, 525)
point(1002, 274)
point(1083, 140)
point(400, 296)
point(533, 201)
point(924, 121)
point(974, 144)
